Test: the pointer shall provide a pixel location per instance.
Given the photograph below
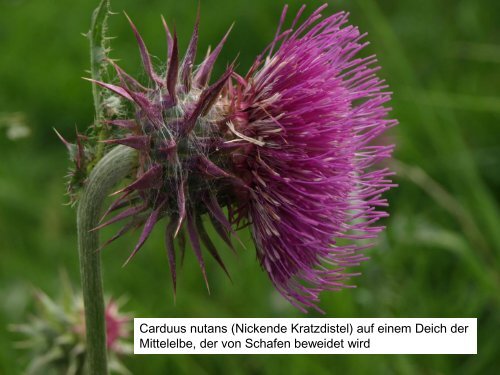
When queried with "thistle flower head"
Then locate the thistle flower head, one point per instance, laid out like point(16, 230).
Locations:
point(287, 149)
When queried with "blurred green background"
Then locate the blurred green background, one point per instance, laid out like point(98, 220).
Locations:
point(439, 257)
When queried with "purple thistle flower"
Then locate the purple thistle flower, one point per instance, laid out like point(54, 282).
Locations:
point(288, 149)
point(309, 113)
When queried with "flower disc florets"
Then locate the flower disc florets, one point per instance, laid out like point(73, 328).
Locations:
point(309, 113)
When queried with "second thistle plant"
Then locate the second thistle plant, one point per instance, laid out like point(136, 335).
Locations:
point(55, 334)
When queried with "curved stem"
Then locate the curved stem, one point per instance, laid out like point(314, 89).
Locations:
point(111, 169)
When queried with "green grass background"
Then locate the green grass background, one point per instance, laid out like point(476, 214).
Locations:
point(439, 257)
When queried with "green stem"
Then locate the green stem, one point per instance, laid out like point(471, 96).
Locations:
point(98, 51)
point(110, 170)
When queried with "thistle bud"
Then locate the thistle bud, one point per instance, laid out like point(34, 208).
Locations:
point(55, 334)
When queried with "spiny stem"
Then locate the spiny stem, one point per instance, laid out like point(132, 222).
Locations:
point(110, 170)
point(98, 52)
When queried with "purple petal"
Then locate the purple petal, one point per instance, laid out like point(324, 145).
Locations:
point(278, 30)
